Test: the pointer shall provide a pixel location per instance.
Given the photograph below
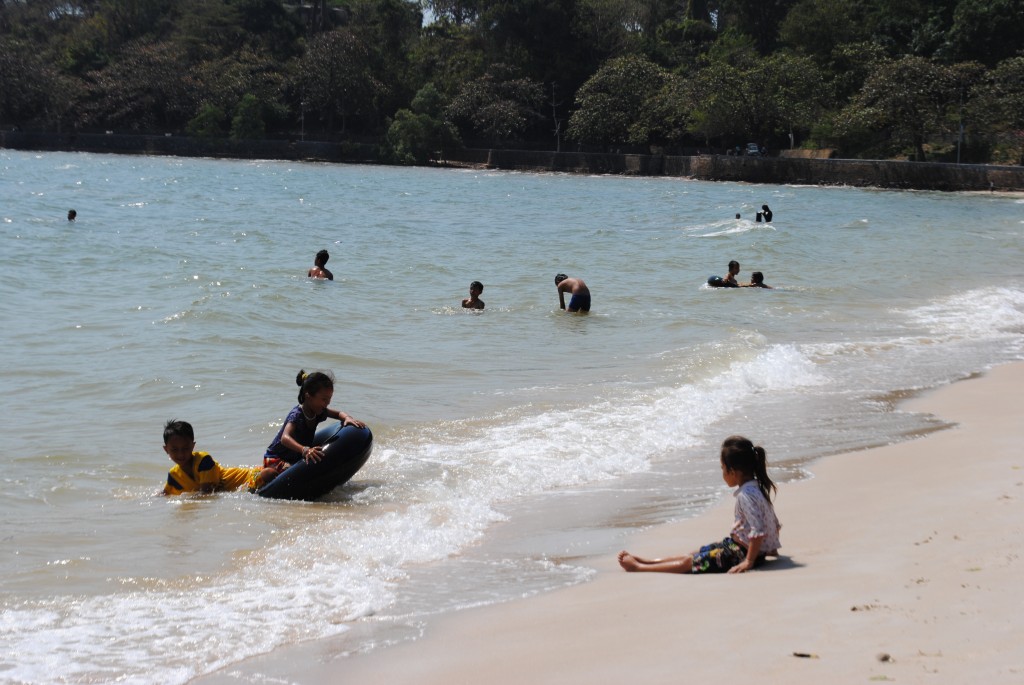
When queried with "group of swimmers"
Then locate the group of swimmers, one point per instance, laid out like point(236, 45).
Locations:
point(579, 293)
point(764, 215)
point(729, 280)
point(753, 538)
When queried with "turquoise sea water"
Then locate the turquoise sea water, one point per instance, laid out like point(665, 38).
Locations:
point(511, 444)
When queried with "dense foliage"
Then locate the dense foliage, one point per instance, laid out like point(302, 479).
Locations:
point(932, 79)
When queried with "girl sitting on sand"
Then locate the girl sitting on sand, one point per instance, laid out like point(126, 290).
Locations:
point(755, 534)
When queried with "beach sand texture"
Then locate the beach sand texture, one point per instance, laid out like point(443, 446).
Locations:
point(899, 564)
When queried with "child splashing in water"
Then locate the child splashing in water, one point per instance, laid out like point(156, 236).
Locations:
point(755, 533)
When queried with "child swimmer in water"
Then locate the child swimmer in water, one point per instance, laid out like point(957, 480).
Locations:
point(198, 472)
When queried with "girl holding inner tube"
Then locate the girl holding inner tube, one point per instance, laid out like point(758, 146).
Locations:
point(294, 441)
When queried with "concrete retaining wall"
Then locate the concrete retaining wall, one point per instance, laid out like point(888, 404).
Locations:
point(800, 171)
point(809, 171)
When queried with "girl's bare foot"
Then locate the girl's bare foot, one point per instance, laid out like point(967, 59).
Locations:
point(628, 561)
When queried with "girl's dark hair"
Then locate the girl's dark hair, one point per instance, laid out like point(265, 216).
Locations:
point(312, 383)
point(739, 454)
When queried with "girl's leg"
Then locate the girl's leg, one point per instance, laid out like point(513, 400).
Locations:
point(631, 563)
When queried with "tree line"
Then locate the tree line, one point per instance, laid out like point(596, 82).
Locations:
point(925, 79)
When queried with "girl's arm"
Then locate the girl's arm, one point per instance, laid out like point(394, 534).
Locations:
point(345, 419)
point(752, 551)
point(308, 453)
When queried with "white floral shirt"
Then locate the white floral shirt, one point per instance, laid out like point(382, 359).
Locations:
point(755, 518)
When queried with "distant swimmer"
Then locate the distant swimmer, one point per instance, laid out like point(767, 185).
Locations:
point(320, 269)
point(580, 300)
point(72, 215)
point(757, 281)
point(737, 215)
point(474, 301)
point(765, 213)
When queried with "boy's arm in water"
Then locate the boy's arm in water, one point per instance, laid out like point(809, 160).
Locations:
point(562, 287)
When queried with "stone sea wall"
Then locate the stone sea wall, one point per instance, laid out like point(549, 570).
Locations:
point(783, 170)
point(790, 170)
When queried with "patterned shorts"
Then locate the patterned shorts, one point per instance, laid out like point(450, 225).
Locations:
point(718, 557)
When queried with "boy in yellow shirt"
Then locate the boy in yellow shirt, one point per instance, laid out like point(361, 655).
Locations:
point(197, 471)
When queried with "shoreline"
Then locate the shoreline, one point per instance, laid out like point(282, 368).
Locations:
point(776, 170)
point(894, 567)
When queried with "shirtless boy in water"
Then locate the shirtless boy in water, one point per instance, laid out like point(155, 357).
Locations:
point(730, 279)
point(474, 301)
point(319, 269)
point(580, 300)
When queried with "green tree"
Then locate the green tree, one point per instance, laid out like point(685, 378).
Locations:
point(497, 105)
point(722, 104)
point(611, 105)
point(994, 105)
point(224, 81)
point(909, 27)
point(816, 27)
point(421, 134)
point(142, 89)
point(208, 123)
point(909, 98)
point(335, 79)
point(26, 82)
point(759, 19)
point(390, 30)
point(793, 92)
point(448, 55)
point(996, 100)
point(850, 66)
point(456, 12)
point(669, 112)
point(987, 30)
point(248, 124)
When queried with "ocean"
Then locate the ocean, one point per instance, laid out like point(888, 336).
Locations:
point(511, 445)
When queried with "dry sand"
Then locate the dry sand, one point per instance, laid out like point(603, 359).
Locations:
point(899, 564)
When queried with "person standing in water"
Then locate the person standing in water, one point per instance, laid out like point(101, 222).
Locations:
point(580, 300)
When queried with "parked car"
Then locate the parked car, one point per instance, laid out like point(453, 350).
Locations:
point(753, 150)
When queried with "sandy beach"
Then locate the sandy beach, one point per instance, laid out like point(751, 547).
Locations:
point(899, 564)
